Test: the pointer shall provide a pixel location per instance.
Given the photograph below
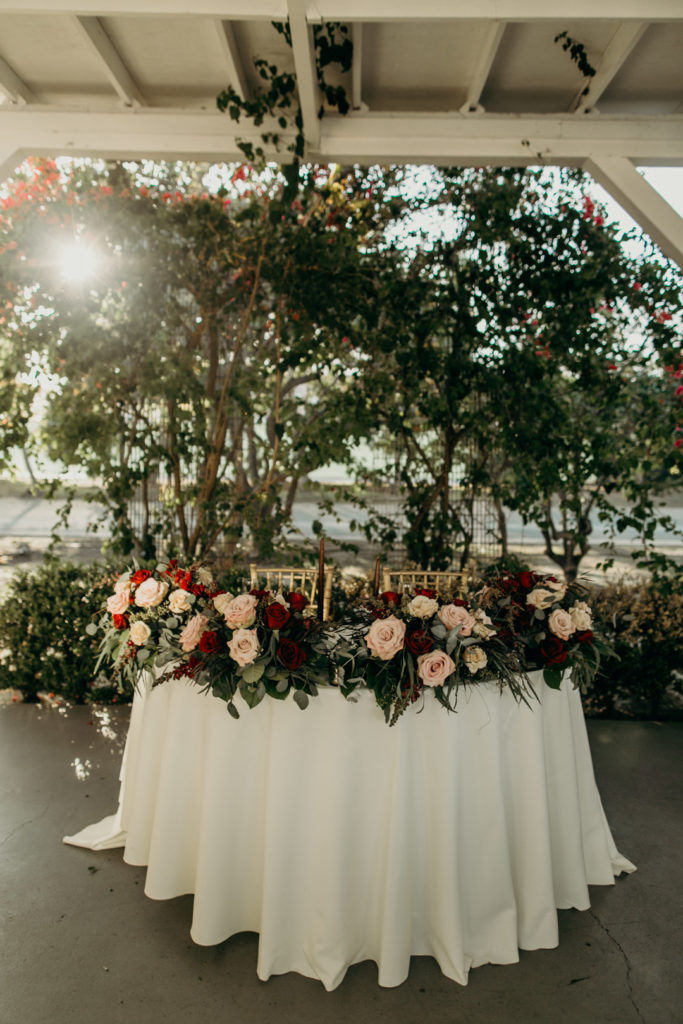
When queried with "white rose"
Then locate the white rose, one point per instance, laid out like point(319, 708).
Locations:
point(204, 576)
point(244, 646)
point(221, 602)
point(582, 616)
point(454, 615)
point(474, 658)
point(423, 607)
point(122, 587)
point(241, 611)
point(559, 588)
point(560, 623)
point(150, 593)
point(118, 604)
point(140, 633)
point(541, 598)
point(178, 601)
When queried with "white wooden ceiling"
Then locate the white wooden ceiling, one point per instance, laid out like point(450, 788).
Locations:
point(438, 81)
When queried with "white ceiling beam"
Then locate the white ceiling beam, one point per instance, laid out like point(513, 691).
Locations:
point(363, 10)
point(357, 68)
point(365, 138)
point(109, 59)
point(662, 223)
point(231, 56)
point(306, 78)
point(16, 90)
point(616, 53)
point(10, 159)
point(482, 69)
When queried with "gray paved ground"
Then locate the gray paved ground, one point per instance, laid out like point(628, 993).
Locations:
point(83, 945)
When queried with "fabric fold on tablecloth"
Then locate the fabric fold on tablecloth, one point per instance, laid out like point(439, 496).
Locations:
point(339, 839)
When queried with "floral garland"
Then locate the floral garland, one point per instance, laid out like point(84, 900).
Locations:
point(180, 623)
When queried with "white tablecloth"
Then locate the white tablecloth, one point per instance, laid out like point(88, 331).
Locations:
point(339, 839)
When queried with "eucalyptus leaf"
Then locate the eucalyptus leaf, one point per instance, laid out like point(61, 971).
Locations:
point(91, 629)
point(301, 699)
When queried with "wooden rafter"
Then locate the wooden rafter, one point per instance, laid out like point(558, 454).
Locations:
point(617, 52)
point(304, 64)
point(485, 60)
point(231, 56)
point(93, 33)
point(16, 90)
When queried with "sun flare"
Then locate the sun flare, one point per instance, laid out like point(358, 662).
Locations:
point(77, 262)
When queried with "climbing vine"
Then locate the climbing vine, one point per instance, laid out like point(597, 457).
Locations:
point(577, 52)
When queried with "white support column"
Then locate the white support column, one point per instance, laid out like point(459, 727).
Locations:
point(485, 60)
point(304, 65)
point(16, 91)
point(617, 52)
point(110, 60)
point(646, 206)
point(232, 57)
point(10, 159)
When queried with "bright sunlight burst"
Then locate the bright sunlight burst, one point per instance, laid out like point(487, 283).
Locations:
point(77, 262)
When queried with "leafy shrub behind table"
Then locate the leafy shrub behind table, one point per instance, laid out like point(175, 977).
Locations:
point(43, 644)
point(644, 624)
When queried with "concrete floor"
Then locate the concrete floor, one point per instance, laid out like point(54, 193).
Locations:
point(81, 944)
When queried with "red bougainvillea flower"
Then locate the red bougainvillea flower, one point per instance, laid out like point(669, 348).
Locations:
point(297, 602)
point(209, 642)
point(277, 615)
point(140, 576)
point(290, 654)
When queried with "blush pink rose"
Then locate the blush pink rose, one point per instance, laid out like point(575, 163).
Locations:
point(385, 637)
point(241, 611)
point(561, 624)
point(123, 587)
point(118, 604)
point(150, 593)
point(189, 638)
point(244, 646)
point(453, 615)
point(434, 668)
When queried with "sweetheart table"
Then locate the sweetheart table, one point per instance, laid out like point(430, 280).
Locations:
point(339, 839)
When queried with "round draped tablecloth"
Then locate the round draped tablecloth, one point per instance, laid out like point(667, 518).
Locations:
point(339, 839)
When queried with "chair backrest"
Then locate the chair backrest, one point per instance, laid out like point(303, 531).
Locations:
point(398, 580)
point(305, 581)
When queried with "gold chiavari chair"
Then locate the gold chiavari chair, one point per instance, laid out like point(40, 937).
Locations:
point(448, 582)
point(305, 581)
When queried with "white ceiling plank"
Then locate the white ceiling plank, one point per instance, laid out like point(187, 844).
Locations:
point(16, 91)
point(109, 58)
point(365, 138)
point(304, 64)
point(617, 52)
point(362, 10)
point(485, 60)
point(232, 57)
point(10, 159)
point(662, 223)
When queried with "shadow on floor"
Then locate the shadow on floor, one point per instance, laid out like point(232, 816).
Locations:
point(82, 944)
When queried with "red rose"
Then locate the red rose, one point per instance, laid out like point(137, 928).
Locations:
point(418, 640)
point(140, 576)
point(209, 642)
point(584, 638)
point(390, 597)
point(120, 621)
point(553, 651)
point(526, 580)
point(197, 590)
point(277, 616)
point(291, 655)
point(297, 602)
point(258, 594)
point(459, 603)
point(421, 592)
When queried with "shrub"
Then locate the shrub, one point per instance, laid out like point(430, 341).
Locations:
point(43, 644)
point(644, 624)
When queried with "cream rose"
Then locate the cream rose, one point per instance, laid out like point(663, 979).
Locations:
point(241, 611)
point(560, 623)
point(221, 602)
point(541, 598)
point(118, 604)
point(482, 625)
point(140, 633)
point(423, 607)
point(454, 615)
point(244, 646)
point(204, 576)
point(434, 668)
point(179, 602)
point(122, 587)
point(189, 638)
point(150, 593)
point(475, 659)
point(559, 588)
point(385, 637)
point(581, 614)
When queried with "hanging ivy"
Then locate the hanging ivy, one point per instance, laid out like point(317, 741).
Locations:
point(577, 52)
point(278, 97)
